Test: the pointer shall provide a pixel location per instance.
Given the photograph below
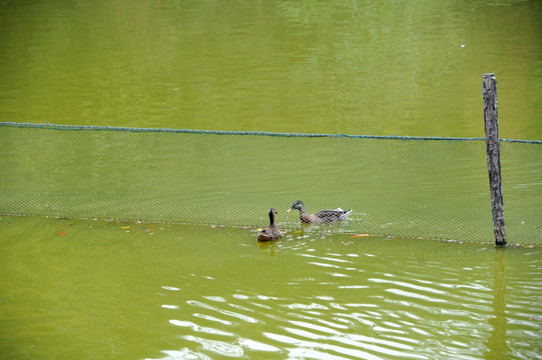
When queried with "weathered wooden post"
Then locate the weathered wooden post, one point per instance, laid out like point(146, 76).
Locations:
point(491, 120)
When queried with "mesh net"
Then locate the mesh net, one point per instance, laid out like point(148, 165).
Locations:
point(411, 187)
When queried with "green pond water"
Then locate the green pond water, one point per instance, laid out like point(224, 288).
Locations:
point(74, 289)
point(359, 67)
point(82, 289)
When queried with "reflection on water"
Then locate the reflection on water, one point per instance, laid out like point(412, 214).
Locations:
point(188, 292)
point(497, 340)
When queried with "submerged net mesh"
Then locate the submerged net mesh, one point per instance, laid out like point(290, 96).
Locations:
point(411, 187)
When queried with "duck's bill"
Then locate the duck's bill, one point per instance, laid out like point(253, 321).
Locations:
point(290, 209)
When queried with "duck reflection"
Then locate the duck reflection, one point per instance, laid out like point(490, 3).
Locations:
point(270, 247)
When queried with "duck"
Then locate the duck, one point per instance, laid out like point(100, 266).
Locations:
point(272, 232)
point(322, 216)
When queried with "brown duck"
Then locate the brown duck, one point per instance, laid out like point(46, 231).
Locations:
point(322, 216)
point(272, 232)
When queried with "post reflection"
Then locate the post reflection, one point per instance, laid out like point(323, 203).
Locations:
point(496, 344)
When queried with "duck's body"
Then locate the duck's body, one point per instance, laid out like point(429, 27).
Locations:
point(322, 216)
point(272, 232)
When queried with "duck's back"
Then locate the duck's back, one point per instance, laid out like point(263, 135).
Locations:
point(331, 215)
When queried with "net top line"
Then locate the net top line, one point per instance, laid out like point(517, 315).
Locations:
point(49, 126)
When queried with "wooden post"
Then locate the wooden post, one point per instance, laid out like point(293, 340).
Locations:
point(491, 120)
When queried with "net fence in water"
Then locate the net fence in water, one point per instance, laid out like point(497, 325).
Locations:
point(397, 186)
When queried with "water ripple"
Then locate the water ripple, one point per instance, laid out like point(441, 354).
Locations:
point(197, 328)
point(415, 295)
point(217, 347)
point(239, 316)
point(183, 354)
point(401, 312)
point(212, 318)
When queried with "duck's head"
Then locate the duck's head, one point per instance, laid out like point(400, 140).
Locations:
point(272, 213)
point(298, 205)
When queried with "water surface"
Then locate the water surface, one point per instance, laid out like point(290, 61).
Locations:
point(95, 290)
point(358, 67)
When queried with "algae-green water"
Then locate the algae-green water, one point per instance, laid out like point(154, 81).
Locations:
point(358, 67)
point(74, 289)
